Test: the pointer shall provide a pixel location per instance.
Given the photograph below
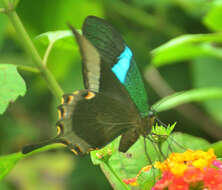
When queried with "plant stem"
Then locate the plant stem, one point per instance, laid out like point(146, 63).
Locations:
point(27, 68)
point(31, 50)
point(47, 52)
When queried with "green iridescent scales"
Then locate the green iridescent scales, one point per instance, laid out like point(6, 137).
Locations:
point(135, 87)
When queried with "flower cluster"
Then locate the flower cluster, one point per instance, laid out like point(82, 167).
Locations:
point(133, 181)
point(191, 170)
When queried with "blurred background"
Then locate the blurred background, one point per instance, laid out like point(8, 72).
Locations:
point(145, 25)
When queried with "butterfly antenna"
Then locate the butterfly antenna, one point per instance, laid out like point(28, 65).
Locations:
point(160, 122)
point(169, 147)
point(145, 149)
point(29, 148)
point(156, 148)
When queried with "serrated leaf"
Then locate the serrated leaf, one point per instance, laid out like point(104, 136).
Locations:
point(194, 95)
point(12, 85)
point(127, 165)
point(60, 39)
point(111, 147)
point(186, 47)
point(213, 18)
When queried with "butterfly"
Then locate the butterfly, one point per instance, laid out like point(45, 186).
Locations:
point(114, 101)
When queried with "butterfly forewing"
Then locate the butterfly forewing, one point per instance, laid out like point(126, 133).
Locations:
point(118, 58)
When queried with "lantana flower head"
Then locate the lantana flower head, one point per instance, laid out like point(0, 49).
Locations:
point(191, 170)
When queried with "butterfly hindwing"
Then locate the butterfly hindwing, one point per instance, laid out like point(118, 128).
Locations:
point(128, 139)
point(95, 119)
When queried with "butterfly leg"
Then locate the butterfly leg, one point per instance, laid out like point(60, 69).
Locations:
point(76, 149)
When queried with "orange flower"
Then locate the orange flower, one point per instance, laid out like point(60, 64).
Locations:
point(177, 163)
point(213, 178)
point(192, 175)
point(133, 181)
point(196, 170)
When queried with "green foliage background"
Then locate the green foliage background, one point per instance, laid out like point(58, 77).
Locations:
point(189, 59)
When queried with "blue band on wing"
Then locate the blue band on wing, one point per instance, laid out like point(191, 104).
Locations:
point(121, 68)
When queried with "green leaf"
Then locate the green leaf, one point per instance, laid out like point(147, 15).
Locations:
point(186, 47)
point(217, 148)
point(195, 95)
point(4, 185)
point(16, 2)
point(8, 162)
point(213, 19)
point(128, 165)
point(113, 177)
point(104, 154)
point(101, 157)
point(206, 73)
point(12, 85)
point(125, 165)
point(180, 142)
point(58, 39)
point(1, 4)
point(146, 180)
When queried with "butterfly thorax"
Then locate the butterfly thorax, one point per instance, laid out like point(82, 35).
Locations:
point(145, 125)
